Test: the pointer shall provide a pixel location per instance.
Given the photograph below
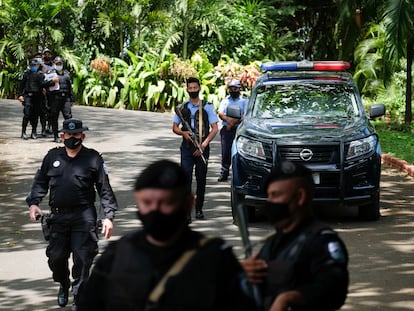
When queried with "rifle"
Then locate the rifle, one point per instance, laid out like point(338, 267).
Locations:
point(192, 134)
point(248, 247)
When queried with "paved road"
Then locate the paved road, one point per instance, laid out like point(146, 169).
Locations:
point(381, 253)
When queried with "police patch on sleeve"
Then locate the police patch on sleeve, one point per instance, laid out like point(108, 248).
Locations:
point(105, 168)
point(336, 251)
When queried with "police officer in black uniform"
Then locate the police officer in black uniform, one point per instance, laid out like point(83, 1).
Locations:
point(166, 266)
point(30, 95)
point(303, 266)
point(60, 97)
point(72, 173)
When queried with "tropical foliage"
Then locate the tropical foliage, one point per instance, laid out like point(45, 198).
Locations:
point(136, 54)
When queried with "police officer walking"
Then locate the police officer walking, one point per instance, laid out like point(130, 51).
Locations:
point(72, 173)
point(30, 95)
point(166, 266)
point(60, 95)
point(303, 266)
point(202, 120)
point(228, 131)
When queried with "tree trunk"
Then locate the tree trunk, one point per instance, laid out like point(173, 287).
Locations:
point(408, 91)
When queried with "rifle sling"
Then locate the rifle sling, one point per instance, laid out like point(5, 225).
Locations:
point(200, 122)
point(175, 269)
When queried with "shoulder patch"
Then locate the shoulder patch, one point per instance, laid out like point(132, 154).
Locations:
point(336, 251)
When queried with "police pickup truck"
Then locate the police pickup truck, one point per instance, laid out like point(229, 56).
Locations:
point(312, 113)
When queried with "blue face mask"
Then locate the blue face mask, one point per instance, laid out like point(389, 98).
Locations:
point(33, 68)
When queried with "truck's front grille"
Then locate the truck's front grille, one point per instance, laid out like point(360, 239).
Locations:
point(310, 154)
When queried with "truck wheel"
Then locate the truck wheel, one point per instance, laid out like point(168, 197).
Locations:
point(370, 211)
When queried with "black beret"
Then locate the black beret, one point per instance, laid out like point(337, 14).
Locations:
point(162, 174)
point(288, 170)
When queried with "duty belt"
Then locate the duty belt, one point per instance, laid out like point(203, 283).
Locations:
point(67, 210)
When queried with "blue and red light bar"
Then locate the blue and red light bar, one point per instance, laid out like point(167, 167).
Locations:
point(306, 65)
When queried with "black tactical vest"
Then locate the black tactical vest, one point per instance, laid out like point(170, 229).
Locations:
point(187, 116)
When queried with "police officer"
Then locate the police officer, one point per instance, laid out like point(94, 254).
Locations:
point(44, 111)
point(47, 67)
point(166, 265)
point(228, 131)
point(303, 266)
point(30, 95)
point(203, 123)
point(72, 173)
point(60, 95)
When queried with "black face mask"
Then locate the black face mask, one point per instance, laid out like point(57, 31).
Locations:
point(162, 226)
point(193, 94)
point(234, 95)
point(72, 142)
point(276, 212)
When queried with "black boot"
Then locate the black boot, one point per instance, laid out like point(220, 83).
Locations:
point(34, 134)
point(24, 126)
point(63, 294)
point(56, 139)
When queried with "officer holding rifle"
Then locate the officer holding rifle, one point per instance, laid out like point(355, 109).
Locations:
point(199, 127)
point(303, 266)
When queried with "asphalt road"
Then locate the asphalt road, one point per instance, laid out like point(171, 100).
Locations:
point(381, 253)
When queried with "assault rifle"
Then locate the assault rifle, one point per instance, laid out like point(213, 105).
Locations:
point(247, 245)
point(192, 134)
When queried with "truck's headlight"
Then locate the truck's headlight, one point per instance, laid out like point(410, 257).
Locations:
point(250, 148)
point(361, 147)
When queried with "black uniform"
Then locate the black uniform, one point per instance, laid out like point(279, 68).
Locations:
point(72, 183)
point(130, 268)
point(313, 260)
point(60, 100)
point(30, 88)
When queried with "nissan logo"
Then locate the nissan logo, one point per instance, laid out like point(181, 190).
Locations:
point(306, 154)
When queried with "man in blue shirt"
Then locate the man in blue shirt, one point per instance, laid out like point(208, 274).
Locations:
point(203, 123)
point(229, 128)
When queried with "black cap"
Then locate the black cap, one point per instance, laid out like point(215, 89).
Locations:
point(38, 53)
point(73, 126)
point(288, 170)
point(163, 174)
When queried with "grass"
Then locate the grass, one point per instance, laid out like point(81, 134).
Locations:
point(398, 144)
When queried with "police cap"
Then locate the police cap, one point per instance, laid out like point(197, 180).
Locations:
point(73, 126)
point(58, 59)
point(163, 174)
point(235, 83)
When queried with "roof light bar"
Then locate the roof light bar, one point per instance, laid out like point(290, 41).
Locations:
point(306, 65)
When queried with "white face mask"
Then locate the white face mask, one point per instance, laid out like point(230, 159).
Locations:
point(58, 68)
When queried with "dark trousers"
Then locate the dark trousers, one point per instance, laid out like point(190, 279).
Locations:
point(31, 111)
point(72, 233)
point(59, 103)
point(188, 162)
point(227, 138)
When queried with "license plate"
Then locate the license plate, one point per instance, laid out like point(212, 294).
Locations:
point(316, 178)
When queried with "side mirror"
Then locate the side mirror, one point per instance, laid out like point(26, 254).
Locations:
point(376, 111)
point(234, 111)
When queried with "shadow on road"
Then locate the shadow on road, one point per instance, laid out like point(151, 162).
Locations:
point(381, 253)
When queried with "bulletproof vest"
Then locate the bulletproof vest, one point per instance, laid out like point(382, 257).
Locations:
point(134, 276)
point(33, 82)
point(283, 274)
point(187, 116)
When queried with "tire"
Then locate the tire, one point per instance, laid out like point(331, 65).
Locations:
point(371, 211)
